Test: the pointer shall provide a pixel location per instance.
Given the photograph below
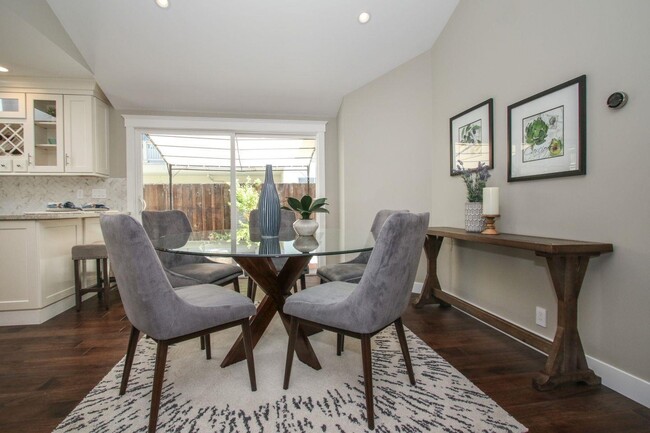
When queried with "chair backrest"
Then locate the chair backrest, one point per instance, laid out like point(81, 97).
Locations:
point(380, 219)
point(287, 218)
point(170, 222)
point(148, 298)
point(385, 288)
point(166, 222)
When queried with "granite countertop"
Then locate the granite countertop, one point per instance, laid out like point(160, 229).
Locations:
point(45, 215)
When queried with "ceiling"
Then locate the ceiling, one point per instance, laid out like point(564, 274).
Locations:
point(239, 57)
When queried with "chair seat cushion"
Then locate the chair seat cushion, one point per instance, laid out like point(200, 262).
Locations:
point(324, 304)
point(209, 306)
point(89, 251)
point(207, 273)
point(348, 272)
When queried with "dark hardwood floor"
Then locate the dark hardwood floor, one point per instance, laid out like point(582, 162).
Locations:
point(45, 370)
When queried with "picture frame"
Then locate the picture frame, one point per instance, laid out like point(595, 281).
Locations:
point(547, 134)
point(471, 136)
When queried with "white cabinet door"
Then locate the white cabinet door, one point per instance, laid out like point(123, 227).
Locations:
point(44, 134)
point(18, 265)
point(101, 126)
point(78, 132)
point(55, 241)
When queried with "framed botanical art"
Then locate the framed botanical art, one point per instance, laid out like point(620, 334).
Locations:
point(547, 134)
point(471, 137)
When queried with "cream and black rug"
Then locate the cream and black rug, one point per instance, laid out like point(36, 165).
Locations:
point(199, 396)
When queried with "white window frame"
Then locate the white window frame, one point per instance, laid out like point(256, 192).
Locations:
point(137, 124)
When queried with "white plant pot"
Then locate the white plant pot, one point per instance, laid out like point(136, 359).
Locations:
point(305, 227)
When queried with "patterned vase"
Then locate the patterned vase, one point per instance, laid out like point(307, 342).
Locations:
point(474, 221)
point(269, 206)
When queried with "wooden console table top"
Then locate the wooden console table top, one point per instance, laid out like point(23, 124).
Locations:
point(567, 263)
point(532, 243)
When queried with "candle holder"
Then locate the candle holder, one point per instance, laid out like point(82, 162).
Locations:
point(489, 225)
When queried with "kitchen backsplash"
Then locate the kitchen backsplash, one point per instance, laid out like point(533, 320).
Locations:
point(20, 194)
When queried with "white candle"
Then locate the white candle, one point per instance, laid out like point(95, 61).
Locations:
point(491, 201)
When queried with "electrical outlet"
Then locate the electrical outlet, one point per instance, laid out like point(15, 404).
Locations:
point(80, 193)
point(540, 316)
point(99, 193)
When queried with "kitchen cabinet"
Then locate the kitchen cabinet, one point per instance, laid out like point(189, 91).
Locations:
point(36, 266)
point(61, 134)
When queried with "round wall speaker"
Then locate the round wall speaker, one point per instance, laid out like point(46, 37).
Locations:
point(617, 100)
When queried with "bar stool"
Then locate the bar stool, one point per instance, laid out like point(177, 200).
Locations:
point(96, 252)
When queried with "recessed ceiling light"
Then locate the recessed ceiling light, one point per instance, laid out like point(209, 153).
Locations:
point(3, 69)
point(163, 3)
point(364, 17)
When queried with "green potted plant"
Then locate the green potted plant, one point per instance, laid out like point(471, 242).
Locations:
point(305, 226)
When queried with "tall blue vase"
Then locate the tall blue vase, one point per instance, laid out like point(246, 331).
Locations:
point(269, 206)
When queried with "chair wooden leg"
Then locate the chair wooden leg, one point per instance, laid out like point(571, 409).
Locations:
point(77, 284)
point(293, 336)
point(202, 341)
point(106, 280)
point(303, 282)
point(367, 379)
point(158, 376)
point(208, 350)
point(340, 341)
point(235, 284)
point(250, 289)
point(128, 362)
point(248, 348)
point(399, 327)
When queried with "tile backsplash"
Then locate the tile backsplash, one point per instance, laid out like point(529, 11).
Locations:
point(20, 194)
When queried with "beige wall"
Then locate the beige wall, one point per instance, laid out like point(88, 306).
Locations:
point(385, 146)
point(509, 50)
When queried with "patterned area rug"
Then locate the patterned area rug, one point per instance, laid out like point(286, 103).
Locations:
point(199, 396)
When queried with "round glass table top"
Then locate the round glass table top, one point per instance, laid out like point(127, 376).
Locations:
point(242, 243)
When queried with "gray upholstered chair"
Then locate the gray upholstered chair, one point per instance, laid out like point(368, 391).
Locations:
point(165, 314)
point(352, 270)
point(183, 269)
point(287, 218)
point(362, 310)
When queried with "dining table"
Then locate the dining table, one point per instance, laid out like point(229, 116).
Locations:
point(255, 254)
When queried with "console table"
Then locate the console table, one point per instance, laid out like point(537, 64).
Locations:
point(567, 262)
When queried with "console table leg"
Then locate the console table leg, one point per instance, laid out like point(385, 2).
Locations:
point(432, 246)
point(566, 360)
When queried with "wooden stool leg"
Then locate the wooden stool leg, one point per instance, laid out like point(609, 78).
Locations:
point(98, 268)
point(77, 284)
point(106, 280)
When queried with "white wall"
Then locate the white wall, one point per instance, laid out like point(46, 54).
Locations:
point(394, 137)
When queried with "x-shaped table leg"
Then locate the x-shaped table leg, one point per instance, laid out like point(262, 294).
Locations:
point(276, 287)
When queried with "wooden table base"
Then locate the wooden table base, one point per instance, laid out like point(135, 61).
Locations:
point(276, 287)
point(567, 263)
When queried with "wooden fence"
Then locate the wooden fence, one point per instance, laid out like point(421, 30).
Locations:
point(207, 205)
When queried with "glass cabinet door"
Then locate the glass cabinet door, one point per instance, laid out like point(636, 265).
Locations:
point(44, 134)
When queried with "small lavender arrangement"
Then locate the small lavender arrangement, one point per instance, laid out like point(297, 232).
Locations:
point(475, 179)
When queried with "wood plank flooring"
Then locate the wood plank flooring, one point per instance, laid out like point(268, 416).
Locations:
point(45, 370)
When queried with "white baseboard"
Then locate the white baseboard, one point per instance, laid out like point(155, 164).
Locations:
point(40, 315)
point(621, 381)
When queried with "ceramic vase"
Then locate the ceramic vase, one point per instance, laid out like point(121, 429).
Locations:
point(474, 221)
point(269, 206)
point(305, 244)
point(305, 227)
